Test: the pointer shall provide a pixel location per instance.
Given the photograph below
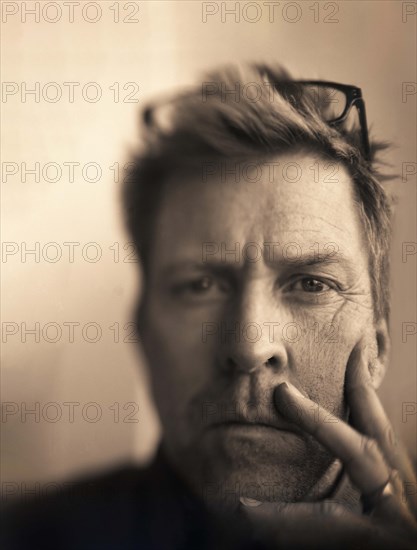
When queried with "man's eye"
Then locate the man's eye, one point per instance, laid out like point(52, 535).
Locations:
point(201, 285)
point(309, 284)
point(205, 287)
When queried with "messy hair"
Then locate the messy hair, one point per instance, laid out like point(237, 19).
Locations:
point(216, 121)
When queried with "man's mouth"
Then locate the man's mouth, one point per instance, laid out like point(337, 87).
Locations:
point(244, 425)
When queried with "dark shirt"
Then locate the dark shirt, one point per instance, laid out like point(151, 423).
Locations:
point(149, 508)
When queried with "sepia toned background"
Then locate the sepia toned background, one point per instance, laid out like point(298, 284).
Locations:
point(91, 402)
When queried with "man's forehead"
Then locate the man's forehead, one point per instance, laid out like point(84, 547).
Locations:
point(294, 195)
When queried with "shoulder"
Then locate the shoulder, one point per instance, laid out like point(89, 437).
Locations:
point(74, 512)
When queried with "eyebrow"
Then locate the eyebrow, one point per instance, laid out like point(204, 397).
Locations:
point(189, 265)
point(313, 258)
point(309, 259)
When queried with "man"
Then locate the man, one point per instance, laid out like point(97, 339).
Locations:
point(263, 234)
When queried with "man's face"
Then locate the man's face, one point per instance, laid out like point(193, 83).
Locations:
point(251, 284)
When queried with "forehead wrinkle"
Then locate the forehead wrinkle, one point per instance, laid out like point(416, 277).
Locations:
point(303, 221)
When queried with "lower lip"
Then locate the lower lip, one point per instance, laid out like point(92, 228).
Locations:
point(251, 429)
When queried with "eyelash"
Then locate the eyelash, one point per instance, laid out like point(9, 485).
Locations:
point(325, 282)
point(191, 287)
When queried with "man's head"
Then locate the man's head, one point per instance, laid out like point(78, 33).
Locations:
point(264, 238)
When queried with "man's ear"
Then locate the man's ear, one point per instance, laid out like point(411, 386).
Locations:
point(378, 362)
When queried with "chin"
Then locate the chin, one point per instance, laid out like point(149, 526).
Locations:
point(263, 464)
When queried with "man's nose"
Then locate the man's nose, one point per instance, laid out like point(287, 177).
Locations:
point(252, 333)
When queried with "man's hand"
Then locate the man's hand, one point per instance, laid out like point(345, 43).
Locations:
point(374, 461)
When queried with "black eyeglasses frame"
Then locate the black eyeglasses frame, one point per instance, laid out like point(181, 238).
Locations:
point(354, 98)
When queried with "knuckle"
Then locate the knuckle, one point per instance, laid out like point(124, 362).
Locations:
point(330, 508)
point(390, 437)
point(370, 448)
point(283, 508)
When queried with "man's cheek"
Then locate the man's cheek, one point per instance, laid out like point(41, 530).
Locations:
point(319, 365)
point(176, 372)
point(179, 353)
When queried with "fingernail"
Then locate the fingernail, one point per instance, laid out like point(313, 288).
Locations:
point(296, 391)
point(251, 502)
point(291, 388)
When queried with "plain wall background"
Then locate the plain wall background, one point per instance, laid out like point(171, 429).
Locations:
point(372, 45)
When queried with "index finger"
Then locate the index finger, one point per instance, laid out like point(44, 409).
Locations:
point(361, 456)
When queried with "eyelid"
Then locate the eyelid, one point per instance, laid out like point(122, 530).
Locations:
point(332, 284)
point(185, 284)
